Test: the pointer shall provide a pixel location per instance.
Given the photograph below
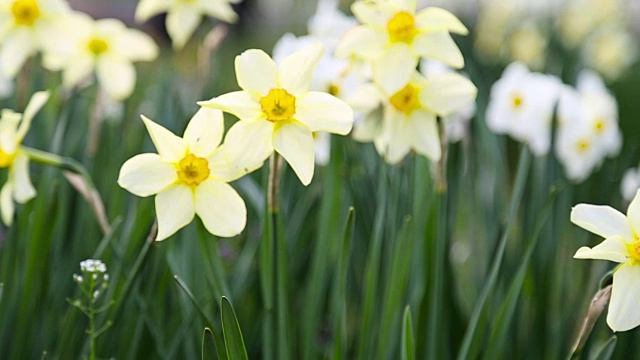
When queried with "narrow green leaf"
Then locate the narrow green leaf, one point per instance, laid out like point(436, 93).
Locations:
point(340, 290)
point(607, 350)
point(208, 345)
point(232, 334)
point(1, 291)
point(408, 343)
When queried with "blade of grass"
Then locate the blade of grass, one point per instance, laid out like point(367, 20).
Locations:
point(232, 334)
point(208, 345)
point(606, 351)
point(340, 290)
point(408, 351)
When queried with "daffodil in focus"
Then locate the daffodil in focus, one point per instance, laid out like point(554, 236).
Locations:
point(29, 26)
point(189, 177)
point(13, 128)
point(621, 245)
point(184, 16)
point(277, 112)
point(393, 36)
point(106, 47)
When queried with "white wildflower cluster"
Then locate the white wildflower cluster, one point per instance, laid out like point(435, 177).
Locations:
point(522, 105)
point(93, 266)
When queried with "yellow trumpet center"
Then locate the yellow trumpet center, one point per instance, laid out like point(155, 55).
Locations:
point(5, 159)
point(193, 170)
point(97, 46)
point(634, 251)
point(583, 145)
point(402, 28)
point(517, 101)
point(278, 105)
point(406, 99)
point(25, 12)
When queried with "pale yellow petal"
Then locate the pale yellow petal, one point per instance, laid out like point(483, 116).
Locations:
point(612, 248)
point(256, 72)
point(239, 103)
point(293, 140)
point(146, 174)
point(6, 204)
point(204, 132)
point(397, 145)
point(448, 93)
point(601, 220)
point(117, 76)
point(219, 10)
point(175, 209)
point(221, 209)
point(37, 101)
point(370, 13)
point(248, 145)
point(296, 70)
point(422, 132)
point(77, 70)
point(440, 46)
point(23, 190)
point(182, 22)
point(623, 307)
point(393, 70)
point(362, 42)
point(170, 147)
point(221, 169)
point(136, 46)
point(633, 213)
point(434, 19)
point(14, 51)
point(324, 112)
point(148, 8)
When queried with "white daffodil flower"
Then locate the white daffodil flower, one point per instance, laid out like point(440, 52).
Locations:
point(278, 112)
point(630, 184)
point(621, 245)
point(329, 24)
point(189, 177)
point(521, 105)
point(409, 115)
point(610, 51)
point(184, 16)
point(29, 26)
point(393, 37)
point(13, 128)
point(106, 47)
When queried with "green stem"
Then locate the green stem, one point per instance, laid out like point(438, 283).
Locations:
point(62, 162)
point(92, 319)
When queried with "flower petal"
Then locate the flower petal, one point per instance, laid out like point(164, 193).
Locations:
point(296, 70)
point(248, 145)
point(447, 93)
point(182, 22)
point(219, 10)
point(77, 69)
point(633, 213)
point(623, 307)
point(170, 147)
point(256, 72)
point(363, 42)
point(221, 209)
point(435, 18)
point(422, 132)
point(23, 190)
point(393, 70)
point(204, 132)
point(15, 50)
point(6, 204)
point(175, 208)
point(221, 170)
point(117, 76)
point(397, 133)
point(293, 140)
point(612, 248)
point(601, 220)
point(324, 112)
point(37, 101)
point(440, 46)
point(239, 103)
point(146, 174)
point(148, 8)
point(370, 13)
point(136, 45)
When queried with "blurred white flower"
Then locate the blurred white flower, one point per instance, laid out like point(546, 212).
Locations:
point(93, 266)
point(184, 16)
point(29, 26)
point(630, 184)
point(277, 111)
point(106, 47)
point(610, 50)
point(522, 104)
point(329, 24)
point(528, 44)
point(13, 128)
point(189, 177)
point(621, 245)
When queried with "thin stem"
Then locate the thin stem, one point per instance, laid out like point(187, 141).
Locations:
point(92, 318)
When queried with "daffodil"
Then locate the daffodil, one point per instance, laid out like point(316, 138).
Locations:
point(277, 112)
point(621, 245)
point(189, 177)
point(106, 47)
point(393, 37)
point(630, 184)
point(184, 16)
point(13, 128)
point(26, 27)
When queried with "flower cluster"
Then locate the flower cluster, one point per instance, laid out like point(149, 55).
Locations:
point(522, 105)
point(93, 266)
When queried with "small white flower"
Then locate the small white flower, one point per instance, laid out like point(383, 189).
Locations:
point(610, 51)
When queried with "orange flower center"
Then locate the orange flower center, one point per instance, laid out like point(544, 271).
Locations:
point(25, 12)
point(193, 170)
point(402, 28)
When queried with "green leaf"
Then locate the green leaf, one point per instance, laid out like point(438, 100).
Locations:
point(208, 345)
point(408, 343)
point(607, 350)
point(340, 290)
point(232, 334)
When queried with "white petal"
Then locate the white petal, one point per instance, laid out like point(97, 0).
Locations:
point(293, 140)
point(612, 248)
point(15, 50)
point(448, 93)
point(248, 145)
point(6, 204)
point(256, 72)
point(182, 22)
point(221, 209)
point(170, 147)
point(623, 308)
point(204, 132)
point(322, 148)
point(601, 220)
point(239, 103)
point(146, 174)
point(219, 10)
point(77, 69)
point(220, 168)
point(370, 13)
point(393, 70)
point(36, 103)
point(363, 42)
point(434, 18)
point(296, 70)
point(440, 46)
point(368, 128)
point(148, 8)
point(422, 132)
point(398, 145)
point(175, 208)
point(117, 76)
point(324, 112)
point(23, 190)
point(633, 213)
point(136, 46)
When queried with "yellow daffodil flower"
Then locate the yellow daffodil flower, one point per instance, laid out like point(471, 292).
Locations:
point(393, 37)
point(13, 128)
point(621, 245)
point(105, 46)
point(277, 112)
point(189, 177)
point(183, 16)
point(28, 26)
